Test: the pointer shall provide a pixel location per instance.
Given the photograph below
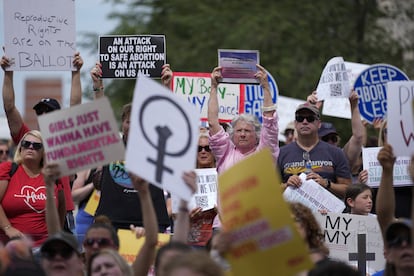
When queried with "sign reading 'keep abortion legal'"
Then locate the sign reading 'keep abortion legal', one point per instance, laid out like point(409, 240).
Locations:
point(126, 57)
point(371, 87)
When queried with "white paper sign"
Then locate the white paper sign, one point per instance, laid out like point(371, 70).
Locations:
point(40, 35)
point(206, 195)
point(400, 117)
point(370, 163)
point(341, 230)
point(81, 137)
point(334, 80)
point(314, 196)
point(163, 136)
point(286, 112)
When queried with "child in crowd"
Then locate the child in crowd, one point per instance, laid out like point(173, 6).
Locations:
point(358, 199)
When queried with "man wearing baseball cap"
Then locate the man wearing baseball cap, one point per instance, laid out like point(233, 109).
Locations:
point(18, 128)
point(328, 165)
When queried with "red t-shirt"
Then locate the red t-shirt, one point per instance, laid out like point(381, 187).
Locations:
point(70, 206)
point(24, 203)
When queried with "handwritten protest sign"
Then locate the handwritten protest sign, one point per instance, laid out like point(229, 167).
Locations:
point(264, 239)
point(314, 196)
point(40, 35)
point(132, 55)
point(334, 80)
point(400, 120)
point(340, 232)
point(401, 175)
point(206, 194)
point(162, 140)
point(195, 88)
point(129, 245)
point(238, 66)
point(371, 88)
point(82, 137)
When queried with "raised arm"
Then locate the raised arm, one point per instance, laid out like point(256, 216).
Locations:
point(76, 88)
point(385, 201)
point(96, 75)
point(14, 118)
point(166, 75)
point(51, 173)
point(268, 106)
point(353, 147)
point(146, 255)
point(213, 105)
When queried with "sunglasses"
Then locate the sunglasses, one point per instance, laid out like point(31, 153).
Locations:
point(36, 146)
point(4, 152)
point(64, 252)
point(309, 118)
point(332, 138)
point(102, 242)
point(42, 110)
point(206, 148)
point(398, 241)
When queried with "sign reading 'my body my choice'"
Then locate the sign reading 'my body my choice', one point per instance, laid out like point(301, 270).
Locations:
point(132, 55)
point(40, 35)
point(371, 88)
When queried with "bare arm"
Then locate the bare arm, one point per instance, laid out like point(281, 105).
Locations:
point(14, 117)
point(385, 201)
point(80, 189)
point(182, 222)
point(5, 224)
point(353, 147)
point(166, 75)
point(51, 172)
point(261, 75)
point(213, 105)
point(338, 188)
point(96, 74)
point(146, 255)
point(76, 88)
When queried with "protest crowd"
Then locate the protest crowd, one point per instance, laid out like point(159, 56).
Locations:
point(52, 223)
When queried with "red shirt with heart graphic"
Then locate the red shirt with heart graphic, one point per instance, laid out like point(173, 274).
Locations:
point(24, 203)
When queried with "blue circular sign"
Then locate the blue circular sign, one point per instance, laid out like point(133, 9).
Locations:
point(253, 97)
point(371, 87)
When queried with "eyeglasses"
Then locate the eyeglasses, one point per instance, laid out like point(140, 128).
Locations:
point(332, 138)
point(206, 148)
point(4, 152)
point(43, 109)
point(309, 118)
point(398, 241)
point(65, 252)
point(36, 146)
point(102, 242)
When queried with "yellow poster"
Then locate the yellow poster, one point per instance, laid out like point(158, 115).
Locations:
point(264, 238)
point(93, 202)
point(129, 245)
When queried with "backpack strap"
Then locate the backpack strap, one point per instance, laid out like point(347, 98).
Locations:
point(13, 169)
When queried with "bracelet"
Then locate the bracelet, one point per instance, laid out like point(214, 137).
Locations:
point(8, 226)
point(269, 108)
point(183, 209)
point(328, 184)
point(96, 89)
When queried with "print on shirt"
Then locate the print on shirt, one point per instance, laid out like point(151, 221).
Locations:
point(33, 197)
point(298, 167)
point(119, 174)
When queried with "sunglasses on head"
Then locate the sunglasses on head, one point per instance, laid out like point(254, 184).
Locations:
point(206, 148)
point(398, 241)
point(102, 242)
point(4, 152)
point(43, 109)
point(65, 252)
point(35, 145)
point(309, 118)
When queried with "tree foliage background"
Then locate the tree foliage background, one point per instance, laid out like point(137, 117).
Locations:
point(295, 38)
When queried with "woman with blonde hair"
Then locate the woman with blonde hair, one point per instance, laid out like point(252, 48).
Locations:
point(23, 192)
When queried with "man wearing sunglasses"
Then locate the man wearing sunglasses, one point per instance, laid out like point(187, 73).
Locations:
point(328, 165)
point(4, 151)
point(18, 128)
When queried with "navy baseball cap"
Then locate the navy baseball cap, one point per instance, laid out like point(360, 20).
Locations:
point(50, 104)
